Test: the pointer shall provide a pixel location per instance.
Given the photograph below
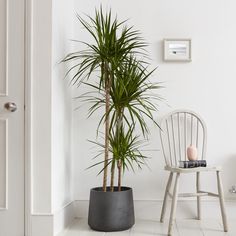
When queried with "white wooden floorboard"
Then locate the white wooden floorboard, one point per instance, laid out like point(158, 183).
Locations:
point(212, 227)
point(123, 233)
point(151, 227)
point(182, 227)
point(231, 226)
point(80, 228)
point(191, 227)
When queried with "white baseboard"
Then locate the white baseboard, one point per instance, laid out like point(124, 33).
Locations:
point(54, 223)
point(41, 225)
point(151, 209)
point(63, 218)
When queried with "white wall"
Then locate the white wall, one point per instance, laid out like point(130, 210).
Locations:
point(62, 32)
point(206, 85)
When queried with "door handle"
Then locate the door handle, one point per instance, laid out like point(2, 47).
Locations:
point(10, 106)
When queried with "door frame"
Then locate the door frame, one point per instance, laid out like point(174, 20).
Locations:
point(27, 115)
point(41, 219)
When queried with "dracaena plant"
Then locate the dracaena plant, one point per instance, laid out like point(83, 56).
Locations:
point(122, 90)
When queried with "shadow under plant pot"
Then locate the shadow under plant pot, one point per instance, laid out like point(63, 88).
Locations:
point(111, 211)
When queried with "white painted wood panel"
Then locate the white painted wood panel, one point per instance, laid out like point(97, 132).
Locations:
point(3, 164)
point(3, 47)
point(12, 22)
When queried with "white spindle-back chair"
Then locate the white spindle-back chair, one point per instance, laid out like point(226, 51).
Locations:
point(180, 129)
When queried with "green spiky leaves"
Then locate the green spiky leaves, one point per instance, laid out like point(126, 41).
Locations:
point(115, 70)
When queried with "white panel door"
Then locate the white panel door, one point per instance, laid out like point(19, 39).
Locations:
point(11, 120)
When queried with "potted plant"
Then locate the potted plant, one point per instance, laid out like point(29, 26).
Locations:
point(124, 93)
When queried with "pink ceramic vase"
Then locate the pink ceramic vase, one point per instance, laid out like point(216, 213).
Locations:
point(192, 153)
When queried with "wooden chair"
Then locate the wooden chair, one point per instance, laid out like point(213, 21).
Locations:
point(180, 129)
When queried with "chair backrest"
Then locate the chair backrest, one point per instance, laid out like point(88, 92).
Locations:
point(180, 129)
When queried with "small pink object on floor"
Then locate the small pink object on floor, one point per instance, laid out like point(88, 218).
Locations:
point(192, 153)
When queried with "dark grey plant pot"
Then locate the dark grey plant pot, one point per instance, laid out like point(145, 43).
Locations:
point(111, 211)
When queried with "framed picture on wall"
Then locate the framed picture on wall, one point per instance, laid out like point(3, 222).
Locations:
point(177, 50)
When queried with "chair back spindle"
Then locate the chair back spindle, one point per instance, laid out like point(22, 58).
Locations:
point(179, 130)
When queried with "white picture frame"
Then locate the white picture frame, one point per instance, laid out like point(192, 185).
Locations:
point(177, 50)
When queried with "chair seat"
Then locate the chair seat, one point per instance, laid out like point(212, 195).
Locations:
point(192, 170)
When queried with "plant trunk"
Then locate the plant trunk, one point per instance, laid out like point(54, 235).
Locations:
point(107, 125)
point(112, 175)
point(119, 174)
point(119, 126)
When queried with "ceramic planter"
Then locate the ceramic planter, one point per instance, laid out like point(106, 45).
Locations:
point(111, 211)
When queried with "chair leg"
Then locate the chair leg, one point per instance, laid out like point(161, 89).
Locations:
point(174, 204)
point(198, 198)
point(168, 185)
point(222, 203)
